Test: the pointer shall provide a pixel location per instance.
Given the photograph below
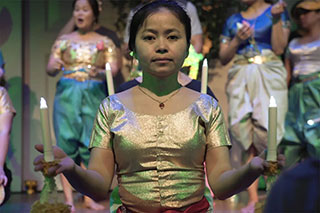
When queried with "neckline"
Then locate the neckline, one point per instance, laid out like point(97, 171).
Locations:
point(152, 115)
point(253, 19)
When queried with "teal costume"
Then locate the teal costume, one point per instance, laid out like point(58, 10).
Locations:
point(302, 126)
point(78, 95)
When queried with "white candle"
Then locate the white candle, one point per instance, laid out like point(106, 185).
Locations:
point(272, 131)
point(109, 79)
point(204, 77)
point(45, 125)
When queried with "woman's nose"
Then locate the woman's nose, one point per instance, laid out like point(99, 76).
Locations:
point(162, 47)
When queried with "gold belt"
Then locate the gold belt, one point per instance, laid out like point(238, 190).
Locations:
point(258, 59)
point(81, 76)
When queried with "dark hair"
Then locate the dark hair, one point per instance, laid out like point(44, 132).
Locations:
point(144, 12)
point(94, 6)
point(3, 81)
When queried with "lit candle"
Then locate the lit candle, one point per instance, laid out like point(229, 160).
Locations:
point(272, 131)
point(45, 125)
point(109, 79)
point(204, 77)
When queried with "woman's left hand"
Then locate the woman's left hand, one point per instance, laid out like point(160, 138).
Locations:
point(96, 72)
point(277, 9)
point(261, 165)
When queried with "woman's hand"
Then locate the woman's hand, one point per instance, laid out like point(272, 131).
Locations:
point(3, 178)
point(244, 32)
point(64, 164)
point(57, 64)
point(277, 9)
point(96, 72)
point(261, 165)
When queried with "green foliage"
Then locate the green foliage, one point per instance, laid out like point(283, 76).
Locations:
point(213, 14)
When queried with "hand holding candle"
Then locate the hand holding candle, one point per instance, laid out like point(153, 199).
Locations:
point(272, 131)
point(45, 126)
point(204, 77)
point(109, 79)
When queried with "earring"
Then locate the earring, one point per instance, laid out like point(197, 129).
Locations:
point(133, 54)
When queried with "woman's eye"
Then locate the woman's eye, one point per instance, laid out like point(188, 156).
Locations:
point(148, 38)
point(173, 37)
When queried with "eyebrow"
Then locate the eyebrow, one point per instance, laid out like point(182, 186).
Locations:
point(166, 32)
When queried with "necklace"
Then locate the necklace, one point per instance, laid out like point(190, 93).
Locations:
point(161, 103)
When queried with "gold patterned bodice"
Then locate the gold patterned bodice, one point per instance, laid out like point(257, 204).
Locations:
point(81, 56)
point(160, 158)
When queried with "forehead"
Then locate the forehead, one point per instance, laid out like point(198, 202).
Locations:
point(162, 18)
point(82, 3)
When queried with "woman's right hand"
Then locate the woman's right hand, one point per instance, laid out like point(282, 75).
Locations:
point(65, 163)
point(244, 32)
point(57, 64)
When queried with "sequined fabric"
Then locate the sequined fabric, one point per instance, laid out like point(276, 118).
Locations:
point(5, 102)
point(80, 57)
point(305, 58)
point(249, 88)
point(160, 157)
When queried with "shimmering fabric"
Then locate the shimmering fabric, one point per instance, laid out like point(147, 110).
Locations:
point(249, 88)
point(302, 136)
point(302, 126)
point(82, 56)
point(262, 29)
point(305, 58)
point(160, 157)
point(5, 102)
point(77, 95)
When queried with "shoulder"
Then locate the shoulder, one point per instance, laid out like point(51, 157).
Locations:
point(196, 85)
point(127, 85)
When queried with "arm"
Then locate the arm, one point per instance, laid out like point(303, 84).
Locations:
point(197, 42)
point(229, 49)
point(280, 34)
point(97, 177)
point(288, 67)
point(68, 28)
point(226, 181)
point(5, 129)
point(94, 181)
point(54, 65)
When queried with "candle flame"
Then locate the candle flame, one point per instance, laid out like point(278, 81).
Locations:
point(108, 66)
point(205, 63)
point(43, 103)
point(273, 102)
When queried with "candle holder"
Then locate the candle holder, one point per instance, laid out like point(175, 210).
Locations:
point(272, 175)
point(31, 186)
point(49, 195)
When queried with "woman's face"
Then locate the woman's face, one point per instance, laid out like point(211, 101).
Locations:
point(309, 19)
point(161, 44)
point(83, 15)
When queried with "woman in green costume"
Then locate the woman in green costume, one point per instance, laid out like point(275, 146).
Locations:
point(81, 56)
point(302, 126)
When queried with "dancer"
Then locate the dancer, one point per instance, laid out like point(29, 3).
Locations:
point(254, 38)
point(302, 135)
point(81, 56)
point(7, 112)
point(159, 134)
